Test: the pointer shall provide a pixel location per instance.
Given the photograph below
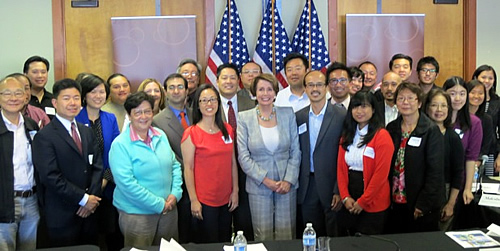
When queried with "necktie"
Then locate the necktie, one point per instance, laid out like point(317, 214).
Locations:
point(76, 138)
point(183, 120)
point(341, 105)
point(231, 116)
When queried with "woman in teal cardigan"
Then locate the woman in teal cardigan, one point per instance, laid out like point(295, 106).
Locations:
point(147, 176)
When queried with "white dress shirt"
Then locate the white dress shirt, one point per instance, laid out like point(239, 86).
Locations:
point(225, 106)
point(354, 154)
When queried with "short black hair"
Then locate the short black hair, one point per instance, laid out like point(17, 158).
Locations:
point(135, 99)
point(35, 59)
point(428, 60)
point(356, 72)
point(63, 84)
point(337, 66)
point(175, 75)
point(367, 62)
point(294, 55)
point(89, 83)
point(228, 65)
point(251, 62)
point(400, 56)
point(114, 75)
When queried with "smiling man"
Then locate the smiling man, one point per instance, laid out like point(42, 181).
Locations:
point(232, 103)
point(401, 64)
point(338, 78)
point(190, 70)
point(320, 128)
point(36, 68)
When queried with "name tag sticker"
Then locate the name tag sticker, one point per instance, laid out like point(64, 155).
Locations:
point(302, 128)
point(50, 110)
point(369, 152)
point(415, 141)
point(229, 141)
point(91, 158)
point(460, 133)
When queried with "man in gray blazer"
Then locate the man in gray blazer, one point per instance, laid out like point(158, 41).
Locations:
point(320, 127)
point(227, 81)
point(173, 120)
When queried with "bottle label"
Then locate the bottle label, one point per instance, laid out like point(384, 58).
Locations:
point(309, 240)
point(239, 247)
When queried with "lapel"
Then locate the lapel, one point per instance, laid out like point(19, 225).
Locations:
point(63, 133)
point(257, 136)
point(305, 145)
point(173, 122)
point(83, 133)
point(327, 121)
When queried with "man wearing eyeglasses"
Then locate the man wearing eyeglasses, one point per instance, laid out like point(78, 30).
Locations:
point(249, 71)
point(190, 70)
point(320, 127)
point(18, 200)
point(337, 77)
point(173, 120)
point(428, 71)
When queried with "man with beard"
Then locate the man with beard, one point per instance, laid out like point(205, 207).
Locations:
point(387, 108)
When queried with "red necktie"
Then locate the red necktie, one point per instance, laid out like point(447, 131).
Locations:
point(76, 138)
point(183, 120)
point(231, 116)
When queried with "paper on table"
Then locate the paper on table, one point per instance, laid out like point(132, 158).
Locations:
point(170, 246)
point(472, 239)
point(135, 249)
point(250, 247)
point(494, 230)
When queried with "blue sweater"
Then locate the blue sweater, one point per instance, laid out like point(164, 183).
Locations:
point(144, 177)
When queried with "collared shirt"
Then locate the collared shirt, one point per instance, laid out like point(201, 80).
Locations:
point(45, 102)
point(36, 114)
point(21, 158)
point(345, 102)
point(149, 138)
point(354, 154)
point(177, 114)
point(315, 122)
point(391, 113)
point(225, 106)
point(67, 125)
point(286, 98)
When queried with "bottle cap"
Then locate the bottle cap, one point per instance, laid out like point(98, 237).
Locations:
point(240, 232)
point(309, 225)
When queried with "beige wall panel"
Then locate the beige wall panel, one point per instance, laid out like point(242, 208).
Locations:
point(88, 34)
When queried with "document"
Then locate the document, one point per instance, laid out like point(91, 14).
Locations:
point(472, 239)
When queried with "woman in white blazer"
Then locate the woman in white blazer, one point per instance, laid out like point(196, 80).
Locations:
point(269, 153)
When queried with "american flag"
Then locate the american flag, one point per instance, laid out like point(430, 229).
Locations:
point(221, 50)
point(264, 49)
point(320, 59)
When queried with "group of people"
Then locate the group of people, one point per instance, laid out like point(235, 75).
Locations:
point(198, 162)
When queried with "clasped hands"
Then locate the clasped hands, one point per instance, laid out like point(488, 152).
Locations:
point(352, 206)
point(90, 207)
point(281, 187)
point(170, 204)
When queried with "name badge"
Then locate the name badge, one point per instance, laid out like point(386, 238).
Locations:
point(302, 128)
point(460, 133)
point(228, 141)
point(50, 110)
point(415, 141)
point(91, 158)
point(369, 152)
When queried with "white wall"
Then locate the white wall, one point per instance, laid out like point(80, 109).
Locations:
point(25, 30)
point(488, 36)
point(251, 17)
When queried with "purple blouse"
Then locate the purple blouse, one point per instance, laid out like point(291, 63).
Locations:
point(471, 139)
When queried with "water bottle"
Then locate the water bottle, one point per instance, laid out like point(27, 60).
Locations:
point(240, 242)
point(309, 238)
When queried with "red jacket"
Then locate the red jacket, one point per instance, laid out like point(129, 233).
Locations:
point(376, 167)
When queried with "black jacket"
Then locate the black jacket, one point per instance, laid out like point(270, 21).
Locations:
point(424, 172)
point(7, 169)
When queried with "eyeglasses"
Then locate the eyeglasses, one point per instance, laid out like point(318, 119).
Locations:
point(425, 71)
point(187, 74)
point(205, 101)
point(334, 81)
point(312, 85)
point(409, 99)
point(250, 71)
point(8, 95)
point(147, 112)
point(178, 87)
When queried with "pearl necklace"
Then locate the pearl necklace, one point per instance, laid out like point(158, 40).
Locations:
point(271, 116)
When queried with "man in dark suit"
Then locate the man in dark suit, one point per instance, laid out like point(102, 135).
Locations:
point(386, 107)
point(173, 120)
point(320, 128)
point(69, 166)
point(232, 103)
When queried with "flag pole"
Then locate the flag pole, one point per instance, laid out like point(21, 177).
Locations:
point(273, 37)
point(229, 29)
point(310, 54)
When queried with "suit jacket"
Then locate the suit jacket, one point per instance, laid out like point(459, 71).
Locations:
point(65, 175)
point(254, 158)
point(244, 103)
point(7, 209)
point(424, 171)
point(325, 153)
point(170, 124)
